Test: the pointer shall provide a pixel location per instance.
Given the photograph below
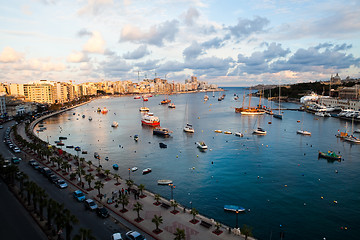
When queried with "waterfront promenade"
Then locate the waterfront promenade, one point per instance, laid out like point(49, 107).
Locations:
point(204, 228)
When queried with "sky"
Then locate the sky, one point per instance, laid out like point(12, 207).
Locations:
point(224, 42)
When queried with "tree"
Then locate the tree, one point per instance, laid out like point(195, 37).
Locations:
point(124, 200)
point(89, 178)
point(246, 230)
point(51, 210)
point(129, 183)
point(217, 226)
point(22, 179)
point(107, 172)
point(179, 234)
point(59, 219)
point(99, 185)
point(141, 189)
point(89, 163)
point(157, 220)
point(157, 198)
point(84, 234)
point(69, 221)
point(43, 200)
point(174, 204)
point(194, 212)
point(138, 207)
point(117, 176)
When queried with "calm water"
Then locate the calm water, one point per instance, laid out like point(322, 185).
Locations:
point(278, 177)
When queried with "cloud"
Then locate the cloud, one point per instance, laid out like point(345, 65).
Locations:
point(148, 65)
point(9, 55)
point(94, 7)
point(77, 57)
point(84, 32)
point(246, 27)
point(193, 51)
point(138, 53)
point(215, 42)
point(115, 67)
point(95, 44)
point(156, 35)
point(190, 16)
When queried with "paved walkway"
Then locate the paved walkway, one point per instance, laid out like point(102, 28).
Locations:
point(171, 221)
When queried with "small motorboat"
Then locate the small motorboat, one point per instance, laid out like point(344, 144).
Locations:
point(259, 131)
point(83, 116)
point(171, 105)
point(107, 158)
point(352, 139)
point(84, 152)
point(77, 149)
point(164, 182)
point(90, 118)
point(144, 109)
point(218, 131)
point(239, 134)
point(70, 146)
point(114, 124)
point(96, 155)
point(136, 137)
point(201, 145)
point(227, 132)
point(115, 167)
point(189, 128)
point(146, 171)
point(62, 138)
point(234, 208)
point(161, 131)
point(330, 155)
point(137, 97)
point(60, 144)
point(133, 169)
point(162, 145)
point(303, 132)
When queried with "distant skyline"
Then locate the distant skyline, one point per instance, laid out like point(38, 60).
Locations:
point(228, 43)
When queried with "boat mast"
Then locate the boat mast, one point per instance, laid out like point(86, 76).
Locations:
point(279, 100)
point(243, 100)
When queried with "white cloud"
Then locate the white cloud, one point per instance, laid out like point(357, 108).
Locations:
point(77, 57)
point(190, 16)
point(96, 44)
point(10, 55)
point(138, 53)
point(94, 6)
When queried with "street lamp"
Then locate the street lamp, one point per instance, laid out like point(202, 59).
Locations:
point(237, 214)
point(172, 186)
point(190, 204)
point(129, 173)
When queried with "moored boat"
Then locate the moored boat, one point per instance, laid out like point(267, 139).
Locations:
point(114, 124)
point(137, 97)
point(172, 105)
point(70, 146)
point(78, 149)
point(162, 145)
point(136, 137)
point(165, 101)
point(62, 138)
point(201, 145)
point(90, 118)
point(150, 119)
point(259, 131)
point(303, 132)
point(352, 139)
point(218, 131)
point(234, 208)
point(164, 182)
point(330, 155)
point(133, 169)
point(146, 171)
point(239, 134)
point(144, 109)
point(227, 132)
point(96, 155)
point(115, 167)
point(104, 111)
point(189, 128)
point(161, 131)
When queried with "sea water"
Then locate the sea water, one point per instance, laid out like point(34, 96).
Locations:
point(277, 178)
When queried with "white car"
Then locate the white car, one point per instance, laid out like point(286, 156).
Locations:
point(116, 236)
point(134, 235)
point(16, 149)
point(61, 183)
point(90, 204)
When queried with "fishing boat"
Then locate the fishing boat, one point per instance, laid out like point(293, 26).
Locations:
point(189, 128)
point(201, 145)
point(137, 97)
point(352, 139)
point(136, 137)
point(104, 111)
point(114, 124)
point(161, 131)
point(303, 132)
point(133, 169)
point(96, 155)
point(162, 145)
point(329, 155)
point(115, 167)
point(259, 131)
point(164, 182)
point(146, 171)
point(239, 134)
point(60, 143)
point(165, 101)
point(218, 131)
point(233, 208)
point(150, 119)
point(172, 105)
point(144, 109)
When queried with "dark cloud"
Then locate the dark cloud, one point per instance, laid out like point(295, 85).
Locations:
point(214, 43)
point(275, 50)
point(171, 66)
point(190, 16)
point(84, 32)
point(245, 27)
point(148, 65)
point(193, 51)
point(138, 53)
point(115, 66)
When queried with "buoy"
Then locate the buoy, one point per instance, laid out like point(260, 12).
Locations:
point(197, 155)
point(322, 197)
point(177, 156)
point(304, 204)
point(212, 162)
point(285, 185)
point(335, 201)
point(336, 171)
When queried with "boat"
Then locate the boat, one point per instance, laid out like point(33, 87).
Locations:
point(330, 155)
point(60, 143)
point(133, 169)
point(233, 208)
point(62, 138)
point(136, 137)
point(162, 145)
point(352, 139)
point(96, 155)
point(201, 145)
point(218, 131)
point(114, 124)
point(189, 128)
point(161, 131)
point(137, 97)
point(164, 182)
point(78, 149)
point(165, 101)
point(144, 109)
point(146, 171)
point(250, 110)
point(83, 116)
point(150, 119)
point(227, 132)
point(70, 146)
point(303, 132)
point(115, 167)
point(239, 134)
point(104, 111)
point(106, 158)
point(98, 110)
point(90, 118)
point(172, 105)
point(145, 99)
point(206, 97)
point(84, 152)
point(278, 115)
point(259, 131)
point(357, 130)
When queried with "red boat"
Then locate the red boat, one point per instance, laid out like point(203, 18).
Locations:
point(165, 101)
point(150, 119)
point(137, 97)
point(145, 99)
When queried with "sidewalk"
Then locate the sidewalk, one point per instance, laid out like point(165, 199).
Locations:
point(171, 220)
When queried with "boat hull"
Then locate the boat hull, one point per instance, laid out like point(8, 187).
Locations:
point(153, 123)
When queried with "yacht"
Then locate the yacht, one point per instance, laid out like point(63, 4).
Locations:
point(150, 119)
point(259, 131)
point(189, 128)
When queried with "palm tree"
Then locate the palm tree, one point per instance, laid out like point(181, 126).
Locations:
point(59, 161)
point(59, 219)
point(194, 212)
point(51, 210)
point(22, 179)
point(84, 234)
point(89, 178)
point(99, 185)
point(217, 226)
point(179, 234)
point(157, 198)
point(138, 207)
point(69, 221)
point(82, 160)
point(124, 200)
point(129, 183)
point(141, 188)
point(117, 176)
point(43, 200)
point(107, 172)
point(52, 160)
point(174, 204)
point(246, 230)
point(89, 163)
point(157, 220)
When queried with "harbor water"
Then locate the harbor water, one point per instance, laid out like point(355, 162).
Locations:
point(277, 178)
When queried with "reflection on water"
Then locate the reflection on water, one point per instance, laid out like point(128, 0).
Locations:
point(278, 177)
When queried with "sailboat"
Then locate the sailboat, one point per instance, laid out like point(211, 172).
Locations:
point(259, 130)
point(342, 134)
point(279, 115)
point(188, 127)
point(352, 138)
point(303, 132)
point(250, 110)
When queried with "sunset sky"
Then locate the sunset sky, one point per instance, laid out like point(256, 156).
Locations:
point(228, 42)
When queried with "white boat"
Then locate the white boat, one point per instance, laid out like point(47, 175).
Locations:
point(164, 182)
point(357, 130)
point(201, 145)
point(133, 169)
point(90, 118)
point(188, 128)
point(144, 109)
point(259, 131)
point(352, 139)
point(303, 132)
point(233, 208)
point(150, 119)
point(146, 171)
point(172, 105)
point(114, 124)
point(239, 134)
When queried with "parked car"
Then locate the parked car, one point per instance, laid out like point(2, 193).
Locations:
point(116, 236)
point(134, 235)
point(46, 171)
point(79, 195)
point(15, 160)
point(16, 150)
point(31, 162)
point(90, 204)
point(61, 183)
point(102, 212)
point(53, 178)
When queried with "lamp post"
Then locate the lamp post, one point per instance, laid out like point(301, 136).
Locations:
point(129, 173)
point(237, 214)
point(172, 186)
point(190, 204)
